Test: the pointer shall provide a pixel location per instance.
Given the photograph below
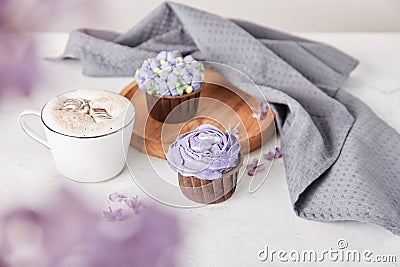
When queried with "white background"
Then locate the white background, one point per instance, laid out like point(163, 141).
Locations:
point(287, 15)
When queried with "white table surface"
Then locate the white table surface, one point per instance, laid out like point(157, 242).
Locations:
point(230, 233)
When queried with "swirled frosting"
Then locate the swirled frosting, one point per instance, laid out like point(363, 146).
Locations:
point(206, 152)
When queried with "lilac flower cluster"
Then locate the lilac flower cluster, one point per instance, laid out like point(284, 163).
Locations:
point(170, 74)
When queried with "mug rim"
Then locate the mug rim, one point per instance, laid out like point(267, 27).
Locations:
point(93, 136)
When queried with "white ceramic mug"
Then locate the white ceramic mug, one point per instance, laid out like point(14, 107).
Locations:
point(85, 159)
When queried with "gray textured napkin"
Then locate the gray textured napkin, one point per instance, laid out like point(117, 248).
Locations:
point(342, 162)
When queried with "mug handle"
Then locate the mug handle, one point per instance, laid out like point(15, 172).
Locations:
point(28, 130)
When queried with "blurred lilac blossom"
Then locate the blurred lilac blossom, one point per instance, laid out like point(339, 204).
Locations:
point(57, 6)
point(66, 233)
point(18, 62)
point(253, 167)
point(273, 154)
point(19, 69)
point(260, 112)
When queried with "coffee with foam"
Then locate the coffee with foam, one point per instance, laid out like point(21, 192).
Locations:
point(88, 113)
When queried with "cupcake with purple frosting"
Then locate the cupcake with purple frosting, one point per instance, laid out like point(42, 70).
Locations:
point(207, 161)
point(169, 81)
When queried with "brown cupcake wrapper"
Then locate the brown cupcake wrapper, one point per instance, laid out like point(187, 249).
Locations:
point(160, 107)
point(210, 191)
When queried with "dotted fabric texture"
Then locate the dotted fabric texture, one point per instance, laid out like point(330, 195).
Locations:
point(342, 162)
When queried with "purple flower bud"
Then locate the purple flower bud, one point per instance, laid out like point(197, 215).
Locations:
point(194, 64)
point(164, 75)
point(167, 67)
point(197, 76)
point(162, 56)
point(146, 65)
point(196, 85)
point(163, 87)
point(186, 76)
point(173, 90)
point(188, 59)
point(190, 69)
point(172, 55)
point(171, 81)
point(145, 74)
point(154, 64)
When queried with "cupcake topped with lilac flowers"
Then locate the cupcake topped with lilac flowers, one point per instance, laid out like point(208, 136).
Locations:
point(170, 74)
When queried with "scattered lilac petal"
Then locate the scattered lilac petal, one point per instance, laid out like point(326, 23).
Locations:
point(260, 112)
point(273, 154)
point(116, 215)
point(134, 204)
point(278, 153)
point(116, 197)
point(253, 167)
point(131, 202)
point(264, 107)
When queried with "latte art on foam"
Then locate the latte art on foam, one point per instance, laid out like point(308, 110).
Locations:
point(88, 113)
point(83, 106)
point(76, 105)
point(99, 114)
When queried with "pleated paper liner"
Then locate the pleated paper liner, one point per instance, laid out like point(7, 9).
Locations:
point(210, 191)
point(184, 107)
point(219, 101)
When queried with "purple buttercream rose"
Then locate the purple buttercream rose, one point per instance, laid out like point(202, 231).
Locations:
point(206, 152)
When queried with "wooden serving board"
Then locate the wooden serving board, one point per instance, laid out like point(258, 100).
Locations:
point(218, 105)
